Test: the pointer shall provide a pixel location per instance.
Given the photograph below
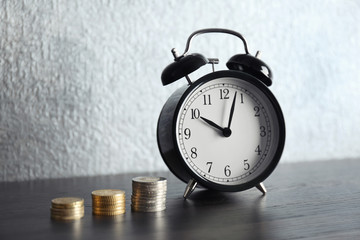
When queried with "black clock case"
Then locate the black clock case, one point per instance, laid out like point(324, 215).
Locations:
point(166, 133)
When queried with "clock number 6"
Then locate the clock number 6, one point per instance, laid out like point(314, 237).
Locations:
point(227, 171)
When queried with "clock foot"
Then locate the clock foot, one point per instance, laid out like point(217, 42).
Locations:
point(190, 188)
point(261, 188)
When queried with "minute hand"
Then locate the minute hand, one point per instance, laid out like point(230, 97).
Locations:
point(232, 111)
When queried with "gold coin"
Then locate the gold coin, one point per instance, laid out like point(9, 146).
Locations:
point(109, 209)
point(109, 202)
point(108, 206)
point(66, 218)
point(67, 202)
point(76, 216)
point(56, 212)
point(104, 193)
point(97, 201)
point(108, 213)
point(67, 211)
point(108, 198)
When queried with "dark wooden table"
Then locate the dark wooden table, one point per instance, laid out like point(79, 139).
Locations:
point(315, 200)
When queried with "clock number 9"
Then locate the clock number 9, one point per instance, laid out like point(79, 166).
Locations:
point(187, 133)
point(227, 171)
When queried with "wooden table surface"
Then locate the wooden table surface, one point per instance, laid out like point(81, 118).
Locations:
point(314, 200)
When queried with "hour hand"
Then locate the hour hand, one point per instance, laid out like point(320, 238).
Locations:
point(211, 123)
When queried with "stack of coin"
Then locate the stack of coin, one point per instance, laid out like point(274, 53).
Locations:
point(148, 194)
point(108, 202)
point(67, 208)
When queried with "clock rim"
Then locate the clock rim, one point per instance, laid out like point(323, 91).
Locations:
point(203, 181)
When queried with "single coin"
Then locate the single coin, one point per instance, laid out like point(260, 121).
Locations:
point(148, 199)
point(149, 194)
point(108, 202)
point(149, 191)
point(67, 202)
point(146, 185)
point(66, 212)
point(137, 209)
point(109, 208)
point(67, 218)
point(108, 213)
point(108, 193)
point(148, 180)
point(149, 205)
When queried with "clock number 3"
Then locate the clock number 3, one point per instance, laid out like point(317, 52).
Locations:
point(262, 131)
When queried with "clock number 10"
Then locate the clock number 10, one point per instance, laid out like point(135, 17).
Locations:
point(195, 113)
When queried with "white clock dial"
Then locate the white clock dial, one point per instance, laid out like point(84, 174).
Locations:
point(227, 131)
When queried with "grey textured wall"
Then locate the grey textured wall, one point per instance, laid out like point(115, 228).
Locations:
point(80, 87)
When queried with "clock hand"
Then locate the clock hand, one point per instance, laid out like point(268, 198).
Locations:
point(232, 111)
point(225, 131)
point(211, 123)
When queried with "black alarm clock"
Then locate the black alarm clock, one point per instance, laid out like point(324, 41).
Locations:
point(224, 131)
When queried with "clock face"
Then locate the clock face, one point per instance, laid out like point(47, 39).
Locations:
point(228, 131)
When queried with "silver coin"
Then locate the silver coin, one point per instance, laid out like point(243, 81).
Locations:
point(149, 188)
point(137, 197)
point(149, 180)
point(135, 209)
point(149, 193)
